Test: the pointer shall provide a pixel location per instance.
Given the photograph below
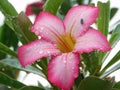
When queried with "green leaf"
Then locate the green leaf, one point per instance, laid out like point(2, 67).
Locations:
point(113, 69)
point(5, 49)
point(113, 12)
point(65, 7)
point(8, 37)
point(22, 25)
point(43, 64)
point(31, 88)
point(103, 23)
point(3, 87)
point(91, 61)
point(115, 37)
point(117, 85)
point(84, 2)
point(112, 61)
point(1, 33)
point(104, 16)
point(94, 83)
point(78, 80)
point(115, 89)
point(6, 80)
point(52, 6)
point(9, 12)
point(15, 64)
point(7, 8)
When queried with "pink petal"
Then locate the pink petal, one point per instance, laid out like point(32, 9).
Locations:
point(79, 18)
point(92, 40)
point(35, 50)
point(48, 26)
point(63, 69)
point(30, 7)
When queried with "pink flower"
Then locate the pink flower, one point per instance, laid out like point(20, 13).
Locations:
point(34, 8)
point(64, 41)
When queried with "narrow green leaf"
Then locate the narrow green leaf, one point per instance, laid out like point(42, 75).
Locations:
point(22, 25)
point(104, 16)
point(6, 50)
point(15, 64)
point(9, 11)
point(103, 22)
point(1, 33)
point(31, 88)
point(52, 6)
point(113, 69)
point(115, 37)
point(94, 83)
point(112, 61)
point(7, 8)
point(6, 80)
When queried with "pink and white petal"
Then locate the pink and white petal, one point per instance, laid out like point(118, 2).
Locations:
point(28, 54)
point(92, 40)
point(63, 69)
point(48, 26)
point(79, 18)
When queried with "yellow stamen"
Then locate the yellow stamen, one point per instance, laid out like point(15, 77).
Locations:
point(66, 43)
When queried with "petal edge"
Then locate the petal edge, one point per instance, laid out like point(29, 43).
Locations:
point(92, 40)
point(29, 53)
point(63, 69)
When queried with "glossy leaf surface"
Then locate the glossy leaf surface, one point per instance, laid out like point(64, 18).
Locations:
point(52, 6)
point(94, 83)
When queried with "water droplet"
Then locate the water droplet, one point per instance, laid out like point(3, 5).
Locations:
point(40, 52)
point(9, 87)
point(37, 32)
point(3, 69)
point(20, 35)
point(41, 28)
point(101, 48)
point(75, 75)
point(48, 52)
point(73, 68)
point(53, 62)
point(64, 61)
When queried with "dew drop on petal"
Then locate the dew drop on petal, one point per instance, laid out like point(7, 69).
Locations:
point(41, 28)
point(64, 61)
point(73, 68)
point(40, 52)
point(101, 48)
point(37, 32)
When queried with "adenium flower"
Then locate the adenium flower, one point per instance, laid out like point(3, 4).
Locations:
point(34, 8)
point(64, 41)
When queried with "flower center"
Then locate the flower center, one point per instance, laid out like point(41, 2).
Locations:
point(66, 43)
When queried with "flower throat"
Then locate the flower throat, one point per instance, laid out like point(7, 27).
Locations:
point(66, 43)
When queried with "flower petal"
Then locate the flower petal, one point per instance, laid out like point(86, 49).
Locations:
point(79, 18)
point(48, 26)
point(92, 40)
point(35, 50)
point(63, 69)
point(37, 6)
